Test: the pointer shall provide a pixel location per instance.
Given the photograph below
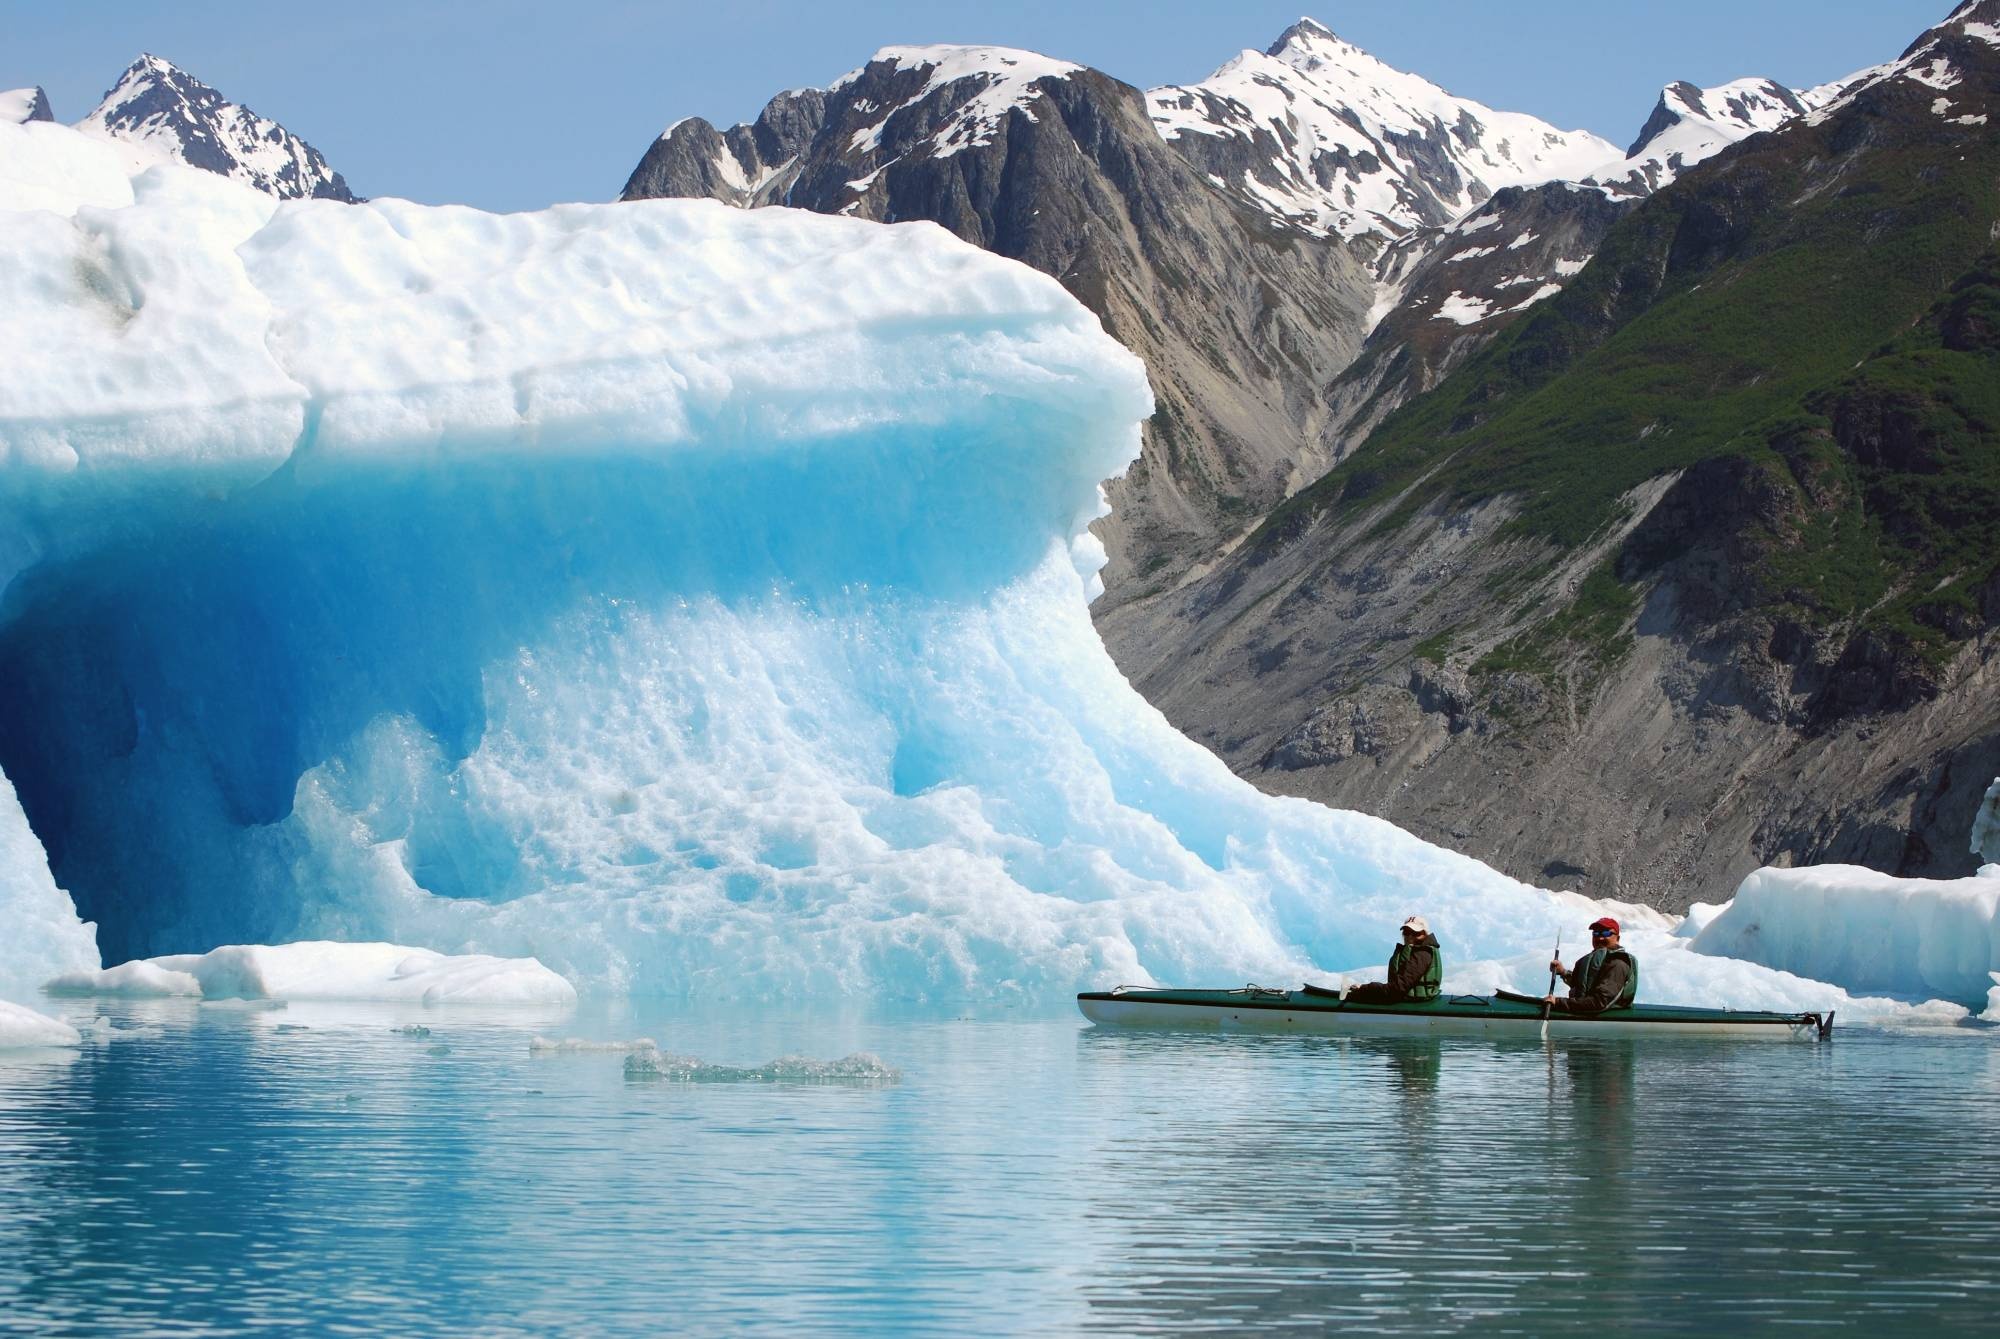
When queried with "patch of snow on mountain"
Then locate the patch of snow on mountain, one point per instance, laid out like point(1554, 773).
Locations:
point(1463, 309)
point(176, 116)
point(1545, 291)
point(1007, 80)
point(1342, 143)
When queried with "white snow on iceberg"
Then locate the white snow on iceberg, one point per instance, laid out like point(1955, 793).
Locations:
point(690, 599)
point(389, 973)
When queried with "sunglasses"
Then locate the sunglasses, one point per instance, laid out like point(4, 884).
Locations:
point(1602, 934)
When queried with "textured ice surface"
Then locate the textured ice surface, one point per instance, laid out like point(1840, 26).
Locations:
point(21, 1026)
point(1865, 931)
point(691, 599)
point(326, 971)
point(860, 1068)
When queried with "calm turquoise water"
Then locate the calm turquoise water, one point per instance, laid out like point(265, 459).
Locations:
point(312, 1168)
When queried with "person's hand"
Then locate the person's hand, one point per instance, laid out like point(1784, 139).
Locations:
point(1555, 967)
point(1549, 998)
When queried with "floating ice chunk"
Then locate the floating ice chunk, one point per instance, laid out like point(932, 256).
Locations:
point(101, 1030)
point(323, 970)
point(23, 1027)
point(548, 1046)
point(143, 978)
point(1992, 1013)
point(1865, 931)
point(861, 1068)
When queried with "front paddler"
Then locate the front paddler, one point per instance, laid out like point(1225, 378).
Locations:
point(1416, 969)
point(1607, 977)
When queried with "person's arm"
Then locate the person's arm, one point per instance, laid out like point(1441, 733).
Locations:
point(1610, 983)
point(1415, 963)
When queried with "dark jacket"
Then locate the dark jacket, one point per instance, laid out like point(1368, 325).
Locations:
point(1602, 979)
point(1415, 969)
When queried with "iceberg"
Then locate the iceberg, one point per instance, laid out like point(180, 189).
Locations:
point(692, 600)
point(1865, 930)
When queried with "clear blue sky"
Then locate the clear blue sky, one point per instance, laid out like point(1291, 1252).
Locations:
point(512, 104)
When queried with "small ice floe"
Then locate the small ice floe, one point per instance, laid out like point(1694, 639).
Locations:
point(411, 1030)
point(548, 1046)
point(103, 1031)
point(23, 1027)
point(859, 1069)
point(326, 970)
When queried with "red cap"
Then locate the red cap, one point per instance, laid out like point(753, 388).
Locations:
point(1605, 923)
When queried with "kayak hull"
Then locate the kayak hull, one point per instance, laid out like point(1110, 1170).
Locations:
point(1304, 1013)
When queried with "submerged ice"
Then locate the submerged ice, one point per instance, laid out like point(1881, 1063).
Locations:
point(693, 600)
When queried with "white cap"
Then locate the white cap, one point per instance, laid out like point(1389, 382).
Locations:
point(1417, 923)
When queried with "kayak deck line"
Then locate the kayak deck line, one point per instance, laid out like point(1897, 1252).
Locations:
point(1318, 1011)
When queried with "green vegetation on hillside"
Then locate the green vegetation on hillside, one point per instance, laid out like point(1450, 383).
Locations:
point(1777, 313)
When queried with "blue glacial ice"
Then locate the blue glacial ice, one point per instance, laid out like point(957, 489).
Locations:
point(690, 599)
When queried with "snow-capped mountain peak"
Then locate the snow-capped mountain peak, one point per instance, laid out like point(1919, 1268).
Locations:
point(165, 110)
point(1745, 105)
point(1003, 80)
point(21, 105)
point(1689, 124)
point(1326, 137)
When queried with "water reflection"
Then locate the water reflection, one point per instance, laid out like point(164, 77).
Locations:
point(245, 1170)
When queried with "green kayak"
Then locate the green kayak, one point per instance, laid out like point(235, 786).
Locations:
point(1315, 1011)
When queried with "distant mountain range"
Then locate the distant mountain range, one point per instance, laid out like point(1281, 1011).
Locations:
point(1307, 196)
